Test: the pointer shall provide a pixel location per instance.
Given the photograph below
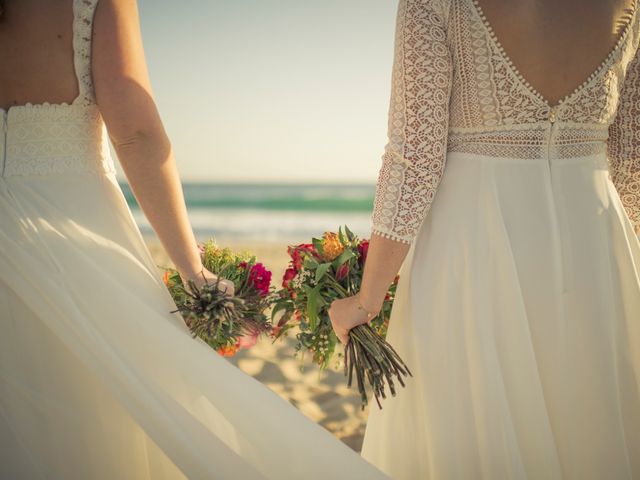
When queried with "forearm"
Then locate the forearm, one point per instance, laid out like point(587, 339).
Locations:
point(384, 260)
point(148, 162)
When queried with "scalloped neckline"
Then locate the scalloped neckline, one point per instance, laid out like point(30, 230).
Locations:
point(477, 9)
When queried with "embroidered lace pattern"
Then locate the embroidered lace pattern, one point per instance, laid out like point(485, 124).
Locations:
point(624, 144)
point(454, 89)
point(414, 158)
point(52, 139)
point(83, 11)
point(48, 138)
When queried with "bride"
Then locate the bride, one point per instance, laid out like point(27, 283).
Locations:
point(518, 306)
point(97, 378)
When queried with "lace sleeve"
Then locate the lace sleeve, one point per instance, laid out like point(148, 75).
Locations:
point(623, 146)
point(414, 158)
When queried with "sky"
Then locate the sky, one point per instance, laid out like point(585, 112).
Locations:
point(272, 90)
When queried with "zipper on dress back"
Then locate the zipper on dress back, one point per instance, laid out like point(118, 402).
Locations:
point(550, 137)
point(5, 128)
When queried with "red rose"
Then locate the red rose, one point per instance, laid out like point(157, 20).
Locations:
point(342, 272)
point(363, 249)
point(298, 253)
point(289, 274)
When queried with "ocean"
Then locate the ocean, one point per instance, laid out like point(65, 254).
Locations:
point(291, 213)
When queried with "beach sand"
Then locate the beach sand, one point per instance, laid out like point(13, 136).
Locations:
point(321, 396)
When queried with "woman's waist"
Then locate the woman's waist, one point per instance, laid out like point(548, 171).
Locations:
point(597, 160)
point(532, 142)
point(80, 148)
point(60, 163)
point(48, 139)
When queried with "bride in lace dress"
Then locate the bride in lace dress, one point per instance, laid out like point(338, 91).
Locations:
point(518, 307)
point(97, 378)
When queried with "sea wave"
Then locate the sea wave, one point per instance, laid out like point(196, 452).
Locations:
point(281, 197)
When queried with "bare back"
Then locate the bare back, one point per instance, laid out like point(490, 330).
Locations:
point(555, 44)
point(36, 53)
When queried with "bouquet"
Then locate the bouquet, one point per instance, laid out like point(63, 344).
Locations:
point(226, 323)
point(319, 273)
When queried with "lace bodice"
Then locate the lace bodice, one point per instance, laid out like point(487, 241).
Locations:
point(59, 138)
point(454, 89)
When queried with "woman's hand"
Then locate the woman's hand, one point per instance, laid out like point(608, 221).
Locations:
point(205, 276)
point(346, 314)
point(383, 262)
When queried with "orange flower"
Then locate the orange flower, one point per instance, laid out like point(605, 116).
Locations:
point(331, 246)
point(229, 351)
point(165, 277)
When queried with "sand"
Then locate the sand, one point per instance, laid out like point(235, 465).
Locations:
point(321, 396)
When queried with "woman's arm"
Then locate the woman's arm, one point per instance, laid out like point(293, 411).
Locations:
point(623, 145)
point(414, 158)
point(124, 96)
point(384, 259)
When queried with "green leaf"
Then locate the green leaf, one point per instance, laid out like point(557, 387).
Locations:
point(317, 243)
point(342, 237)
point(344, 257)
point(322, 270)
point(312, 307)
point(284, 304)
point(350, 234)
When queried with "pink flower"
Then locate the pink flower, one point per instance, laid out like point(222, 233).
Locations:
point(259, 277)
point(248, 341)
point(342, 272)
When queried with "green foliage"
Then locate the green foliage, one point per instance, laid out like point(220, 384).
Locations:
point(219, 319)
point(304, 303)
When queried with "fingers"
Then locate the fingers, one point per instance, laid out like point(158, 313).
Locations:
point(341, 333)
point(227, 286)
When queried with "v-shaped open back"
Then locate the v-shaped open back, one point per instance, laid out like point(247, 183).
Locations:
point(457, 90)
point(478, 10)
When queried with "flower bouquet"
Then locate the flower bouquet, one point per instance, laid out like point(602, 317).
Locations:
point(226, 323)
point(320, 272)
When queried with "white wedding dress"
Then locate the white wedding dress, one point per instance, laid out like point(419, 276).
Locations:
point(518, 308)
point(97, 379)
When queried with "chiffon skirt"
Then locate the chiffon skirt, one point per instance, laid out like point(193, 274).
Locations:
point(518, 310)
point(99, 381)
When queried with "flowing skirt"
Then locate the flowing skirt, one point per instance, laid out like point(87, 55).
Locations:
point(99, 380)
point(518, 310)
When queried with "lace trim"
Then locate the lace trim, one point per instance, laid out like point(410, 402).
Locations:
point(624, 143)
point(83, 11)
point(597, 72)
point(392, 236)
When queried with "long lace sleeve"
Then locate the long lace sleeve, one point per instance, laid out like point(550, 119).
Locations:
point(624, 143)
point(414, 158)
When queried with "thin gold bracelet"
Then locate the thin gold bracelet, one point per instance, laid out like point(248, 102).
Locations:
point(370, 315)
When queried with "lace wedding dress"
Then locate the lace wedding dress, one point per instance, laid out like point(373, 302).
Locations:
point(97, 379)
point(518, 307)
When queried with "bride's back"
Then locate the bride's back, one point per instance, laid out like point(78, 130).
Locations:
point(36, 53)
point(567, 39)
point(556, 45)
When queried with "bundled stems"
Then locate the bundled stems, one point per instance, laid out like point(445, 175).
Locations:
point(371, 357)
